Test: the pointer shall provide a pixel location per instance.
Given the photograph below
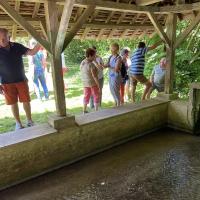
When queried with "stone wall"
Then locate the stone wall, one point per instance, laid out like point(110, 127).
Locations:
point(31, 152)
point(90, 135)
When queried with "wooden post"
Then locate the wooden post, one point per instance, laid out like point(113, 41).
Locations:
point(52, 28)
point(171, 25)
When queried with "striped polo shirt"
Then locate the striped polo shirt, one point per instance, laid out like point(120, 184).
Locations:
point(138, 61)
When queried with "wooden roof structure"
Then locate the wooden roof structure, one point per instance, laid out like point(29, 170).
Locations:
point(110, 19)
point(59, 21)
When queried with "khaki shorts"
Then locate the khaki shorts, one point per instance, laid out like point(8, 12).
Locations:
point(134, 79)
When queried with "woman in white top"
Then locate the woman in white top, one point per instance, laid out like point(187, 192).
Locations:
point(89, 75)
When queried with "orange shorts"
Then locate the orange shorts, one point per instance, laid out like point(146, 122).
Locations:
point(16, 91)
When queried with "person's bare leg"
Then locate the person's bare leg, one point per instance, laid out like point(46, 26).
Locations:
point(96, 106)
point(148, 86)
point(15, 111)
point(84, 108)
point(133, 89)
point(149, 93)
point(127, 92)
point(27, 109)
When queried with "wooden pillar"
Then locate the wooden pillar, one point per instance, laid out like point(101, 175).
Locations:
point(171, 26)
point(56, 62)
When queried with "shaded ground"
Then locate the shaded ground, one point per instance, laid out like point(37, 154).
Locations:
point(161, 166)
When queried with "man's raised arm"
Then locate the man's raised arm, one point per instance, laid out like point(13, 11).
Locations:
point(155, 45)
point(32, 52)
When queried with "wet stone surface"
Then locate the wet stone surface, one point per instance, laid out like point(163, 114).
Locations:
point(164, 165)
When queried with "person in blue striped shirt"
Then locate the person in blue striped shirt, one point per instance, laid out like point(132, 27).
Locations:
point(137, 69)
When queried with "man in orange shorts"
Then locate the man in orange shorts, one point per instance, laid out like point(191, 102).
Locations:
point(137, 69)
point(13, 82)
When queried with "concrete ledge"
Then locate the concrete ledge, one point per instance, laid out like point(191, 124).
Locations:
point(116, 112)
point(169, 97)
point(16, 137)
point(32, 152)
point(34, 156)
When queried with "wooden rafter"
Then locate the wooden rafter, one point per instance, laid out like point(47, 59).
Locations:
point(36, 10)
point(20, 20)
point(79, 13)
point(94, 15)
point(36, 22)
point(100, 34)
point(159, 28)
point(111, 33)
point(44, 29)
point(121, 18)
point(86, 31)
point(146, 2)
point(14, 29)
point(188, 30)
point(124, 7)
point(64, 23)
point(124, 33)
point(76, 27)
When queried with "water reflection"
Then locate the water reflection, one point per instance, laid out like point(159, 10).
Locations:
point(163, 166)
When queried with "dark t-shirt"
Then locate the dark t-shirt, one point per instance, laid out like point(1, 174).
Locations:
point(11, 64)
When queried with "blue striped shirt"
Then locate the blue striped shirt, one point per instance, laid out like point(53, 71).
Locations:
point(138, 61)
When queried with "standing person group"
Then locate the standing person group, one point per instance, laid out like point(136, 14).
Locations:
point(121, 74)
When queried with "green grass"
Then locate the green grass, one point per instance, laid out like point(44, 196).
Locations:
point(41, 110)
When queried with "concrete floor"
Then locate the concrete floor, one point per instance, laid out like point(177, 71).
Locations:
point(161, 166)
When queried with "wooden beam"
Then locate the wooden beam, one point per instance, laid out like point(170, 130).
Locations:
point(110, 16)
point(119, 26)
point(94, 15)
point(44, 29)
point(125, 7)
point(100, 34)
point(64, 23)
point(20, 20)
point(181, 8)
point(121, 18)
point(124, 33)
point(158, 28)
point(86, 31)
point(111, 33)
point(89, 10)
point(6, 21)
point(188, 30)
point(36, 9)
point(14, 31)
point(147, 2)
point(56, 61)
point(79, 13)
point(52, 23)
point(171, 25)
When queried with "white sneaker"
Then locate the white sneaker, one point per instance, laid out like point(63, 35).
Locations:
point(18, 126)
